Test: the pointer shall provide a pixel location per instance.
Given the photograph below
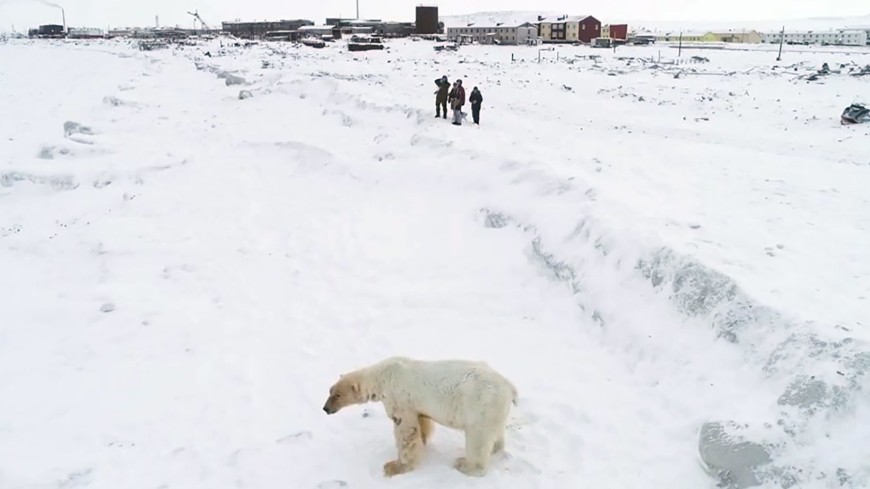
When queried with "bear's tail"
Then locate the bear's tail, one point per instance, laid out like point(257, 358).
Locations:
point(515, 395)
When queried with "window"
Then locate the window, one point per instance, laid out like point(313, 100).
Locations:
point(583, 27)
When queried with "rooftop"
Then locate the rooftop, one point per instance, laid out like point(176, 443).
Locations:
point(570, 18)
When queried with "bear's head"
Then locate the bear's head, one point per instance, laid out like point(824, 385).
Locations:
point(346, 392)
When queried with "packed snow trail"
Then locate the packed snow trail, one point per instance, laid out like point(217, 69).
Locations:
point(180, 306)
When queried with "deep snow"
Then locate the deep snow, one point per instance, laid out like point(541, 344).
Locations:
point(185, 272)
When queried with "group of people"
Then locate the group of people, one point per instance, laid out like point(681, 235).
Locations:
point(455, 96)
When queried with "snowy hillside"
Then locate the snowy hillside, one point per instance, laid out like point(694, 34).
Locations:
point(671, 261)
point(643, 25)
point(774, 25)
point(510, 17)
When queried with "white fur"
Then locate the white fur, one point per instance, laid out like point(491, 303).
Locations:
point(464, 395)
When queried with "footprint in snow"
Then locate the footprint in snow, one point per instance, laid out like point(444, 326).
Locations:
point(301, 435)
point(332, 484)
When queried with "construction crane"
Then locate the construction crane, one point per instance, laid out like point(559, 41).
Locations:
point(196, 17)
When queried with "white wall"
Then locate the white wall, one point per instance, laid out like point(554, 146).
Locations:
point(505, 35)
point(847, 37)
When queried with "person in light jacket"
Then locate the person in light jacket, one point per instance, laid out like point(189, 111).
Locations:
point(457, 101)
point(475, 99)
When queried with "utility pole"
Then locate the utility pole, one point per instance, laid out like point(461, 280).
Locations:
point(680, 48)
point(781, 39)
point(357, 9)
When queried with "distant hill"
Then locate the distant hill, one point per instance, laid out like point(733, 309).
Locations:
point(518, 17)
point(493, 18)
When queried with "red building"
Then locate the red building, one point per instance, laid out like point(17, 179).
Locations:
point(589, 29)
point(619, 31)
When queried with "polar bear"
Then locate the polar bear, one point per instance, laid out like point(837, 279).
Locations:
point(460, 394)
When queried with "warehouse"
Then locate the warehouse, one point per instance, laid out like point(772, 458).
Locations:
point(257, 30)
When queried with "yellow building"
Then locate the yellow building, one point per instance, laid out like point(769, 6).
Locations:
point(742, 37)
point(687, 37)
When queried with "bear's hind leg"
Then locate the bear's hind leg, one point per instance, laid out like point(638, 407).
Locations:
point(478, 448)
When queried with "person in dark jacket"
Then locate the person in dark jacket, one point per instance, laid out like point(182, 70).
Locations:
point(475, 99)
point(457, 101)
point(441, 96)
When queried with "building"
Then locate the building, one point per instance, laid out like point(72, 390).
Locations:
point(427, 20)
point(48, 31)
point(257, 30)
point(498, 34)
point(124, 32)
point(687, 37)
point(320, 31)
point(85, 33)
point(372, 26)
point(395, 29)
point(615, 31)
point(740, 37)
point(578, 28)
point(840, 37)
point(281, 36)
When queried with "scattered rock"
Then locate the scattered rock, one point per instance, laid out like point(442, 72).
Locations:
point(245, 94)
point(107, 307)
point(234, 80)
point(730, 458)
point(72, 127)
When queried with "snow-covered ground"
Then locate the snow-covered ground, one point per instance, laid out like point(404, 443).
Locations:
point(649, 257)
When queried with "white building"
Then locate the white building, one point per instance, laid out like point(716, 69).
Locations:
point(84, 32)
point(500, 34)
point(840, 37)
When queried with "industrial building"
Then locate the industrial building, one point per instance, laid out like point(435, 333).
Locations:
point(427, 20)
point(840, 37)
point(499, 34)
point(48, 31)
point(258, 30)
point(85, 33)
point(320, 31)
point(372, 26)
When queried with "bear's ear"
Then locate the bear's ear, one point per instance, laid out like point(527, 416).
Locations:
point(355, 388)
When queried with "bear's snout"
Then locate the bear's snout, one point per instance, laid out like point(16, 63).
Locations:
point(327, 408)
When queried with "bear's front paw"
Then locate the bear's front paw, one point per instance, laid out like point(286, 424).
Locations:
point(473, 470)
point(394, 468)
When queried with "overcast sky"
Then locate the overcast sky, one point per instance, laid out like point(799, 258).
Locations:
point(103, 13)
